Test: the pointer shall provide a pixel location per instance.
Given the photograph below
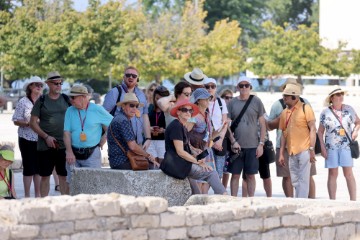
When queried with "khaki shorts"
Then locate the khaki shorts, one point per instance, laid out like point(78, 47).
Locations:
point(283, 171)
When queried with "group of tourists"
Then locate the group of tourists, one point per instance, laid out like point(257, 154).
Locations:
point(192, 133)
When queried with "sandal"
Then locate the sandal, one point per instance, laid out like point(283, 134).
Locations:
point(57, 188)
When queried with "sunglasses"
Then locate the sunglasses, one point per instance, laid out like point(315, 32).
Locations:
point(37, 85)
point(228, 97)
point(339, 94)
point(210, 86)
point(57, 84)
point(185, 110)
point(186, 94)
point(130, 75)
point(133, 105)
point(247, 85)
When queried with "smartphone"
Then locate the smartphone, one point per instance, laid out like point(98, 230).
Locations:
point(202, 155)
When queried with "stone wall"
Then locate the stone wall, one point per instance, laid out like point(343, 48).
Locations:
point(114, 216)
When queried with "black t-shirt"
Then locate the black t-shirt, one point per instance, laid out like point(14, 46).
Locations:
point(153, 115)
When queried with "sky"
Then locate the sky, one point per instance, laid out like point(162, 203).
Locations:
point(81, 5)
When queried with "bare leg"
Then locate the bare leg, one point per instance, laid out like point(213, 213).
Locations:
point(350, 181)
point(244, 190)
point(205, 188)
point(268, 186)
point(64, 186)
point(333, 174)
point(56, 179)
point(27, 184)
point(37, 180)
point(288, 187)
point(251, 183)
point(225, 179)
point(312, 188)
point(44, 186)
point(234, 184)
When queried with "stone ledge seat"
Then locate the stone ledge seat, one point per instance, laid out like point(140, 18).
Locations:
point(135, 183)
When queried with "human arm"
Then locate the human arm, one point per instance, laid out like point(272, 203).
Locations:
point(354, 134)
point(147, 133)
point(179, 147)
point(273, 124)
point(282, 149)
point(165, 103)
point(34, 124)
point(103, 137)
point(70, 157)
point(312, 128)
point(320, 133)
point(260, 147)
point(22, 123)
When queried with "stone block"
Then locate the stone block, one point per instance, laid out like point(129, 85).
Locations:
point(135, 183)
point(105, 223)
point(344, 231)
point(295, 220)
point(24, 231)
point(52, 230)
point(281, 233)
point(265, 210)
point(106, 207)
point(247, 236)
point(225, 228)
point(116, 223)
point(328, 233)
point(154, 205)
point(201, 199)
point(310, 234)
point(157, 234)
point(194, 218)
point(132, 206)
point(91, 235)
point(320, 219)
point(357, 228)
point(343, 214)
point(241, 212)
point(176, 233)
point(34, 213)
point(4, 232)
point(199, 231)
point(131, 234)
point(252, 224)
point(215, 215)
point(8, 217)
point(271, 222)
point(170, 219)
point(145, 221)
point(71, 211)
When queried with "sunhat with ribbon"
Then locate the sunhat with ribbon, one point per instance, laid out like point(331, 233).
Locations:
point(34, 79)
point(336, 89)
point(53, 76)
point(130, 98)
point(185, 102)
point(78, 90)
point(290, 81)
point(196, 77)
point(292, 89)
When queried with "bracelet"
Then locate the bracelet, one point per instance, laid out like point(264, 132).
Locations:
point(147, 139)
point(261, 143)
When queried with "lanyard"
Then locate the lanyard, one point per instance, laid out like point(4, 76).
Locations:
point(288, 119)
point(81, 121)
point(337, 113)
point(157, 116)
point(6, 182)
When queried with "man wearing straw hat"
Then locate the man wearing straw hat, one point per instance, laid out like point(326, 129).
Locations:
point(120, 128)
point(83, 138)
point(196, 78)
point(297, 123)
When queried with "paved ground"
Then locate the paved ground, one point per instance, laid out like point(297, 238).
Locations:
point(9, 133)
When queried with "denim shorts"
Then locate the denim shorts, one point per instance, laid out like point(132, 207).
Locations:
point(248, 162)
point(339, 158)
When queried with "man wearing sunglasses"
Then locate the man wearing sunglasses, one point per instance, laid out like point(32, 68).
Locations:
point(140, 122)
point(246, 137)
point(47, 120)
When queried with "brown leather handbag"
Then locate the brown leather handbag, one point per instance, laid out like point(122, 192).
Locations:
point(137, 161)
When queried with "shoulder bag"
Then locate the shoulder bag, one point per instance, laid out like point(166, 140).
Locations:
point(137, 161)
point(354, 145)
point(269, 152)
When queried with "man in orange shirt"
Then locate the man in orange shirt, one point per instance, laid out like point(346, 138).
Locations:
point(297, 123)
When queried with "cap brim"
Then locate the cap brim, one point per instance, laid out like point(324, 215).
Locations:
point(7, 155)
point(77, 94)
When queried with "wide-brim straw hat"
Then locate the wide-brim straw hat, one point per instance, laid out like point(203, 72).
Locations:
point(185, 102)
point(334, 90)
point(78, 90)
point(290, 81)
point(53, 76)
point(34, 79)
point(130, 98)
point(292, 90)
point(196, 77)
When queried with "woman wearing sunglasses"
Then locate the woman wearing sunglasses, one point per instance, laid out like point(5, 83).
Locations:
point(27, 137)
point(179, 161)
point(339, 122)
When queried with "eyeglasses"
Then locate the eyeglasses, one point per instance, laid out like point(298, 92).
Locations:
point(130, 75)
point(228, 97)
point(133, 105)
point(37, 85)
point(339, 94)
point(185, 110)
point(244, 85)
point(57, 83)
point(186, 94)
point(210, 86)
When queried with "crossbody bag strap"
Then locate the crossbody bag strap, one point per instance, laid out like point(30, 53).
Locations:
point(340, 124)
point(237, 120)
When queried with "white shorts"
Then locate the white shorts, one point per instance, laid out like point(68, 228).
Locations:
point(157, 148)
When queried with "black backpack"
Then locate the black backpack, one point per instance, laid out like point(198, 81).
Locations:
point(112, 112)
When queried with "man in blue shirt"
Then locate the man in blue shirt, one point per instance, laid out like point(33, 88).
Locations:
point(83, 138)
point(140, 122)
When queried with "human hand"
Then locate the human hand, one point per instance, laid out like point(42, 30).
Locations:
point(259, 151)
point(235, 147)
point(146, 144)
point(70, 157)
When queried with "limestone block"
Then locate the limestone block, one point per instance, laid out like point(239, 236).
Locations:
point(343, 215)
point(241, 212)
point(199, 231)
point(328, 233)
point(217, 215)
point(34, 212)
point(8, 217)
point(129, 207)
point(154, 204)
point(320, 219)
point(310, 234)
point(116, 223)
point(281, 233)
point(131, 234)
point(65, 237)
point(106, 207)
point(176, 233)
point(266, 210)
point(215, 238)
point(295, 220)
point(4, 232)
point(145, 221)
point(90, 224)
point(357, 228)
point(136, 183)
point(91, 235)
point(201, 199)
point(286, 208)
point(194, 218)
point(71, 211)
point(224, 228)
point(56, 229)
point(157, 234)
point(24, 231)
point(170, 219)
point(271, 222)
point(247, 236)
point(344, 231)
point(252, 224)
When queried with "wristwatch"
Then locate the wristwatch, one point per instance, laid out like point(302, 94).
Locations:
point(311, 148)
point(261, 143)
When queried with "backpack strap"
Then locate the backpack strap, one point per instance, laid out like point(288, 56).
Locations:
point(220, 104)
point(282, 103)
point(237, 120)
point(112, 112)
point(66, 98)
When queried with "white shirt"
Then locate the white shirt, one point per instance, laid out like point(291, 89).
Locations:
point(216, 114)
point(23, 113)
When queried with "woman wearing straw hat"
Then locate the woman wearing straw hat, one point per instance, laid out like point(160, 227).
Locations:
point(27, 137)
point(7, 189)
point(336, 148)
point(179, 161)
